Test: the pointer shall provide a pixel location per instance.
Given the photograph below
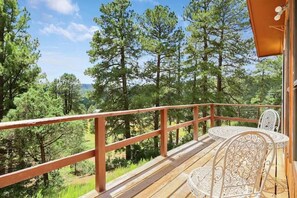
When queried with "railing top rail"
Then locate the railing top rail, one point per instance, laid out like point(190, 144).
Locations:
point(186, 106)
point(44, 121)
point(248, 105)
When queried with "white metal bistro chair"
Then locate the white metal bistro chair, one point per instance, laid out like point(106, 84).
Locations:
point(269, 120)
point(240, 168)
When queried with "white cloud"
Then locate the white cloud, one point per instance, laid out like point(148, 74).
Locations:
point(74, 31)
point(61, 6)
point(154, 2)
point(33, 3)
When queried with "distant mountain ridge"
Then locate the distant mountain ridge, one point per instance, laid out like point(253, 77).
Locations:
point(86, 87)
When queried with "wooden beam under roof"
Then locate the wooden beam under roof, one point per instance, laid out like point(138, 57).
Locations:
point(268, 33)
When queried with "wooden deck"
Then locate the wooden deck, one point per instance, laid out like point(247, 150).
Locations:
point(167, 176)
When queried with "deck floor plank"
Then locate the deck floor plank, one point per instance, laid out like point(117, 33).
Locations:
point(164, 171)
point(167, 177)
point(181, 179)
point(161, 183)
point(184, 190)
point(130, 186)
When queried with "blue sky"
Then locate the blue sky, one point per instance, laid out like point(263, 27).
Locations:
point(64, 29)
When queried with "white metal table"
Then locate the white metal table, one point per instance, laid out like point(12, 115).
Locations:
point(225, 132)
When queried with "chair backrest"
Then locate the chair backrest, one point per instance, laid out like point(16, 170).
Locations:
point(241, 165)
point(269, 120)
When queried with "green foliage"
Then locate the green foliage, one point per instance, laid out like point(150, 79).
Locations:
point(232, 49)
point(268, 80)
point(67, 87)
point(159, 37)
point(111, 175)
point(217, 48)
point(83, 168)
point(73, 190)
point(113, 163)
point(18, 54)
point(158, 31)
point(76, 190)
point(199, 61)
point(114, 51)
point(34, 145)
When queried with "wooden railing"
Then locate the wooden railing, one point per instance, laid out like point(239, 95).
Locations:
point(100, 132)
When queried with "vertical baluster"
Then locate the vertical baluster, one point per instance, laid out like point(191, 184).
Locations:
point(195, 117)
point(100, 177)
point(163, 148)
point(258, 113)
point(212, 116)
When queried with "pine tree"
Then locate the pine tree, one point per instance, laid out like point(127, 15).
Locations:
point(18, 54)
point(175, 82)
point(158, 38)
point(36, 145)
point(232, 49)
point(114, 50)
point(199, 50)
point(267, 78)
point(67, 87)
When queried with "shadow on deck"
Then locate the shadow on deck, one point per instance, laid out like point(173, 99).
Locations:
point(167, 177)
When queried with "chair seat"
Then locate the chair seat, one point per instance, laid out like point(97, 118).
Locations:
point(200, 179)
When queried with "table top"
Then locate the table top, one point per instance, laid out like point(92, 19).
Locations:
point(225, 132)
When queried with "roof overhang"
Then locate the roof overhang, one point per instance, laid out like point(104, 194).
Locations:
point(268, 33)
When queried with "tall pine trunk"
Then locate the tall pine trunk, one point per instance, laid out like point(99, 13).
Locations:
point(157, 104)
point(195, 83)
point(66, 104)
point(10, 155)
point(219, 77)
point(179, 87)
point(1, 97)
point(2, 59)
point(43, 159)
point(219, 91)
point(204, 78)
point(126, 102)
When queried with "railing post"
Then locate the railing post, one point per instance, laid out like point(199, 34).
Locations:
point(259, 113)
point(195, 126)
point(163, 147)
point(100, 177)
point(212, 112)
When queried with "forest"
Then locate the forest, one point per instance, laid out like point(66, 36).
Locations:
point(139, 60)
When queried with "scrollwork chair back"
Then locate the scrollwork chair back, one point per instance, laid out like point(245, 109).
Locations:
point(241, 172)
point(269, 120)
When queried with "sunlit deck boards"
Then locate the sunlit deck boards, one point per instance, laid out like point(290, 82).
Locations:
point(166, 177)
